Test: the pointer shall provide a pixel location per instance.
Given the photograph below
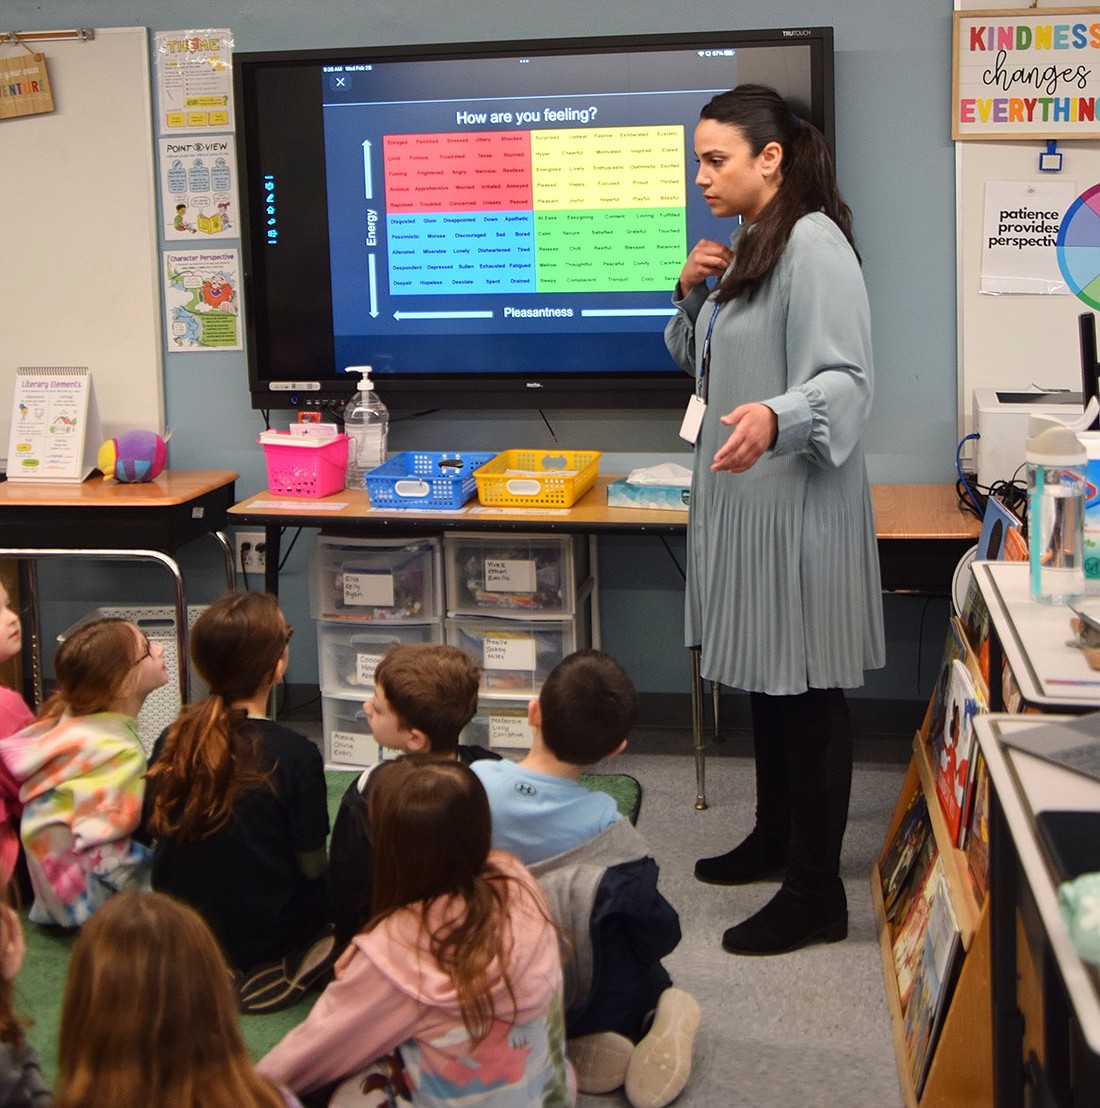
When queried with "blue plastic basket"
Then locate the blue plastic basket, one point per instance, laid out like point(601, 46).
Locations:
point(415, 479)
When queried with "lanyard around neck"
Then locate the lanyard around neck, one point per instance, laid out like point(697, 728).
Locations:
point(704, 366)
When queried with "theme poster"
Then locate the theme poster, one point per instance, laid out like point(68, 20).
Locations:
point(1020, 236)
point(202, 300)
point(198, 179)
point(194, 86)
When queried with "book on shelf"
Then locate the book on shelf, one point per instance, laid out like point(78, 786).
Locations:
point(999, 525)
point(976, 624)
point(953, 748)
point(954, 647)
point(911, 918)
point(933, 978)
point(897, 863)
point(976, 842)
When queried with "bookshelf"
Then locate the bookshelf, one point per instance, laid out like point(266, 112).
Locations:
point(961, 1068)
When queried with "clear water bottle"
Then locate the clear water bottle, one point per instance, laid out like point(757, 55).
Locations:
point(1056, 462)
point(366, 423)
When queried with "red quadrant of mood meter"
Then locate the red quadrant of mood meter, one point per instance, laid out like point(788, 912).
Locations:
point(483, 171)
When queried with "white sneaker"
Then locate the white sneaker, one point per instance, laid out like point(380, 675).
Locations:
point(600, 1060)
point(660, 1065)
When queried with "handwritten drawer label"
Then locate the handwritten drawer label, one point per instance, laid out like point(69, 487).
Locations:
point(365, 665)
point(509, 731)
point(368, 590)
point(509, 575)
point(509, 652)
point(351, 749)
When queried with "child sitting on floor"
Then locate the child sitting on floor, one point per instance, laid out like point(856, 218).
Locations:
point(149, 1015)
point(238, 808)
point(21, 1083)
point(81, 770)
point(601, 881)
point(14, 716)
point(458, 966)
point(424, 694)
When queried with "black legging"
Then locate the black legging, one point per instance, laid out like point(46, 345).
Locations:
point(803, 748)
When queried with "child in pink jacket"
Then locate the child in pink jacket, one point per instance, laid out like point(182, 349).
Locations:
point(458, 971)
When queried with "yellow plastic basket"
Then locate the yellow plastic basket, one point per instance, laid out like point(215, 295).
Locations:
point(537, 478)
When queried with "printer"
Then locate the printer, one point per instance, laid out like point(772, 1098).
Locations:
point(1000, 417)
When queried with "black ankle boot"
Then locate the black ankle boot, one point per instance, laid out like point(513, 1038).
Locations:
point(758, 858)
point(791, 920)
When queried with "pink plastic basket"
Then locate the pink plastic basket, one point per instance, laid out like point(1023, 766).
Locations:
point(301, 466)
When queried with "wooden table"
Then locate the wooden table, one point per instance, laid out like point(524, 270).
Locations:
point(922, 534)
point(101, 519)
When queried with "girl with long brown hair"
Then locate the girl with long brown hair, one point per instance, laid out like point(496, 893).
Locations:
point(783, 589)
point(21, 1083)
point(80, 769)
point(237, 806)
point(149, 1015)
point(458, 967)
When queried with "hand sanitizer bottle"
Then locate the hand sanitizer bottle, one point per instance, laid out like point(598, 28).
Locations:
point(366, 423)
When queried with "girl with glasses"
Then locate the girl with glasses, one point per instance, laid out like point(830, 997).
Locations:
point(80, 769)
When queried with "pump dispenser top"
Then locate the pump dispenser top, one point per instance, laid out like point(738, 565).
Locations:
point(366, 423)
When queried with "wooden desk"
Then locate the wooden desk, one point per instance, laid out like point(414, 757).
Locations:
point(921, 530)
point(100, 519)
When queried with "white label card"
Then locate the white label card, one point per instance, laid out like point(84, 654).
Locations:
point(368, 590)
point(350, 749)
point(509, 731)
point(365, 665)
point(693, 420)
point(509, 652)
point(508, 575)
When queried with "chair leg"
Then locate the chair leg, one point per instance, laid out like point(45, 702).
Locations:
point(697, 730)
point(715, 698)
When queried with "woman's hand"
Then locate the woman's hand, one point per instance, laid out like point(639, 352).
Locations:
point(707, 259)
point(754, 429)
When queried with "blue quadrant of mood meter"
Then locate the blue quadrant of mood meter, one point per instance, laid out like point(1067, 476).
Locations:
point(1079, 247)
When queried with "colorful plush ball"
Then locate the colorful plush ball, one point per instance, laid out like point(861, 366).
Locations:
point(133, 456)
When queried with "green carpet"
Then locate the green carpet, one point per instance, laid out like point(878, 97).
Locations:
point(41, 982)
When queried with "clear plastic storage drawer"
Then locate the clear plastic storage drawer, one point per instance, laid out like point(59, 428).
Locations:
point(398, 580)
point(500, 725)
point(348, 653)
point(346, 738)
point(516, 655)
point(525, 575)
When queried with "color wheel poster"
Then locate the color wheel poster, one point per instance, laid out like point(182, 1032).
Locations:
point(1020, 236)
point(1079, 247)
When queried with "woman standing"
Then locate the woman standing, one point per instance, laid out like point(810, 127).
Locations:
point(783, 579)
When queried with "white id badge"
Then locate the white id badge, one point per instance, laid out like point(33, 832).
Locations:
point(693, 419)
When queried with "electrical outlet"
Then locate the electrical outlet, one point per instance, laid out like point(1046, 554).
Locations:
point(250, 546)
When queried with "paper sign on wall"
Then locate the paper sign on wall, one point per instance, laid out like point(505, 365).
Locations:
point(24, 86)
point(55, 432)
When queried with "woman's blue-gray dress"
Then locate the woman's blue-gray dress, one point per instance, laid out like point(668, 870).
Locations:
point(783, 587)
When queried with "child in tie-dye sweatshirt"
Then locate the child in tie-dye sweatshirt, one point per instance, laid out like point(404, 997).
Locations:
point(81, 771)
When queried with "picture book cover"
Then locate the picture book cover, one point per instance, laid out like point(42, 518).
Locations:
point(898, 861)
point(998, 523)
point(952, 748)
point(933, 979)
point(976, 843)
point(976, 623)
point(912, 918)
point(954, 647)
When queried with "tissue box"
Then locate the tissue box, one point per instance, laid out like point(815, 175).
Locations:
point(622, 494)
